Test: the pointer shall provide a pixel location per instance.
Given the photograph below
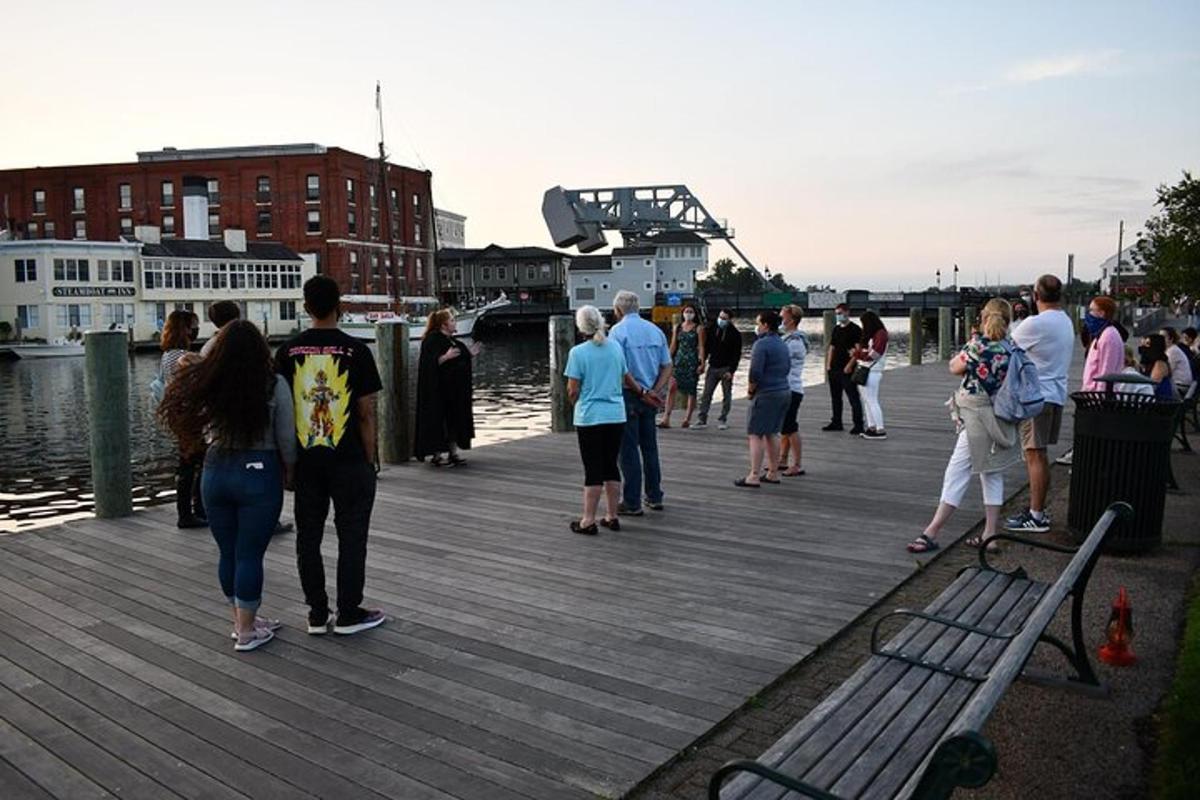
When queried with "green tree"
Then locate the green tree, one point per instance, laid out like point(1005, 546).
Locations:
point(1169, 248)
point(727, 276)
point(781, 285)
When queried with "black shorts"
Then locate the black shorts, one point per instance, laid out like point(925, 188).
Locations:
point(599, 446)
point(791, 423)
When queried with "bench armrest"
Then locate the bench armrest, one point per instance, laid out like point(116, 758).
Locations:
point(758, 768)
point(1012, 537)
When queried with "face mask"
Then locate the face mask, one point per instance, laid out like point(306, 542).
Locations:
point(689, 316)
point(1095, 325)
point(721, 323)
point(841, 319)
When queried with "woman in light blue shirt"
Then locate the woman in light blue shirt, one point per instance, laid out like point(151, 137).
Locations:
point(596, 372)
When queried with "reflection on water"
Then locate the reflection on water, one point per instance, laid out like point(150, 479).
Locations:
point(44, 473)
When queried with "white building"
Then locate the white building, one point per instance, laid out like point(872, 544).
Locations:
point(661, 270)
point(52, 288)
point(451, 228)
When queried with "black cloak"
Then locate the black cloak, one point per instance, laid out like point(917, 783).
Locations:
point(444, 397)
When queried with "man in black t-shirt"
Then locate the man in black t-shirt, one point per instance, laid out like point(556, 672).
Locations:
point(334, 382)
point(837, 355)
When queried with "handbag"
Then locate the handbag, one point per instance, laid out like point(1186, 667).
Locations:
point(861, 373)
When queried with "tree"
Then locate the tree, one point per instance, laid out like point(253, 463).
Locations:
point(727, 276)
point(1169, 248)
point(780, 285)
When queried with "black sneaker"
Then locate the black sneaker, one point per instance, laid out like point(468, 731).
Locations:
point(319, 622)
point(626, 511)
point(856, 431)
point(877, 435)
point(358, 620)
point(653, 505)
point(833, 426)
point(191, 522)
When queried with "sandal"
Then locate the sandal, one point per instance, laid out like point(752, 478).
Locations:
point(790, 474)
point(590, 530)
point(664, 424)
point(613, 524)
point(745, 484)
point(980, 542)
point(436, 461)
point(763, 478)
point(686, 424)
point(457, 461)
point(923, 544)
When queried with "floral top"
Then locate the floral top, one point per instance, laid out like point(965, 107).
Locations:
point(987, 365)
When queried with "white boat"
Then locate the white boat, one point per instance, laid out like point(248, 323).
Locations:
point(362, 326)
point(59, 348)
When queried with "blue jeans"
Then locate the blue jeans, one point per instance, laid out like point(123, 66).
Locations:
point(243, 494)
point(640, 435)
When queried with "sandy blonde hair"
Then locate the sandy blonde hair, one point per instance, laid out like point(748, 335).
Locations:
point(436, 320)
point(994, 318)
point(590, 322)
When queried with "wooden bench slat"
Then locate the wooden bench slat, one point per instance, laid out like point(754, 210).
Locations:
point(872, 679)
point(835, 747)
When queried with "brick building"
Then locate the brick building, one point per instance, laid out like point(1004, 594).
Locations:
point(312, 199)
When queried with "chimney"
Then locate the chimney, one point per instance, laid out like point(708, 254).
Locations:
point(235, 239)
point(150, 234)
point(195, 207)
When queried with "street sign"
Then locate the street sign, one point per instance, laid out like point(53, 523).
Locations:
point(674, 300)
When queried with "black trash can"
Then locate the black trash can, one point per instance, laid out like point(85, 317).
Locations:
point(1122, 452)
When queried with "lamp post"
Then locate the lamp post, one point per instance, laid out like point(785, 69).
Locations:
point(939, 279)
point(956, 277)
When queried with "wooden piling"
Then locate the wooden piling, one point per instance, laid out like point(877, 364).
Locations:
point(562, 339)
point(916, 335)
point(828, 318)
point(106, 388)
point(969, 322)
point(945, 333)
point(397, 410)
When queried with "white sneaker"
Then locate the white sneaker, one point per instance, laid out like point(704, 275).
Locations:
point(698, 425)
point(724, 426)
point(254, 641)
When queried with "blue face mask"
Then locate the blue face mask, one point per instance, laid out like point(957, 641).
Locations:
point(721, 323)
point(841, 318)
point(1095, 325)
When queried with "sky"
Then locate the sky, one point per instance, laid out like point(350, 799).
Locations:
point(864, 145)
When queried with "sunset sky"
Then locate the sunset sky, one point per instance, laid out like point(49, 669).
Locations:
point(860, 144)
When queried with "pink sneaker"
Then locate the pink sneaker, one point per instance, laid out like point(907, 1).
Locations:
point(254, 640)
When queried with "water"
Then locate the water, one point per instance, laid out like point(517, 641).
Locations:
point(44, 472)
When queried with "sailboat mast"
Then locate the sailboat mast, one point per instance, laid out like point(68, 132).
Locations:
point(386, 199)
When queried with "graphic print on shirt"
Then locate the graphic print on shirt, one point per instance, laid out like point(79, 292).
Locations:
point(322, 400)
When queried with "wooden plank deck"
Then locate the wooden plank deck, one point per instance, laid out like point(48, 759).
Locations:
point(521, 661)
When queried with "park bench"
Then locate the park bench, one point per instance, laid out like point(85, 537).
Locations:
point(909, 722)
point(1187, 409)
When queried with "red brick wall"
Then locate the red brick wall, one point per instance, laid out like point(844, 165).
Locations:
point(238, 207)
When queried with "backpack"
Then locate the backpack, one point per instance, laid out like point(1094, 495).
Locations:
point(1020, 396)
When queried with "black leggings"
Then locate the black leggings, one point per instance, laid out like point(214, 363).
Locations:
point(599, 446)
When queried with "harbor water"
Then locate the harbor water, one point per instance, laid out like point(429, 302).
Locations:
point(44, 470)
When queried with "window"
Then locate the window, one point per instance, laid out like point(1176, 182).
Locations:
point(168, 194)
point(32, 230)
point(501, 273)
point(26, 270)
point(117, 313)
point(214, 192)
point(81, 229)
point(312, 188)
point(314, 221)
point(352, 222)
point(287, 309)
point(420, 268)
point(374, 224)
point(102, 270)
point(395, 199)
point(264, 223)
point(417, 233)
point(416, 204)
point(168, 226)
point(77, 199)
point(604, 286)
point(27, 316)
point(444, 275)
point(262, 193)
point(126, 226)
point(83, 269)
point(74, 316)
point(160, 314)
point(485, 274)
point(585, 293)
point(124, 196)
point(50, 229)
point(60, 271)
point(126, 271)
point(647, 263)
point(618, 264)
point(371, 196)
point(458, 275)
point(39, 201)
point(374, 262)
point(649, 286)
point(545, 270)
point(531, 273)
point(214, 224)
point(350, 196)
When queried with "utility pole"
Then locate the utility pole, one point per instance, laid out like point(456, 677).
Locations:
point(386, 199)
point(1120, 247)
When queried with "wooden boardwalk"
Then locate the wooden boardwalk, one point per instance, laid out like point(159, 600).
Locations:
point(521, 661)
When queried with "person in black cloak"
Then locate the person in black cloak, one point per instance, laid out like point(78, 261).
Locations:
point(445, 421)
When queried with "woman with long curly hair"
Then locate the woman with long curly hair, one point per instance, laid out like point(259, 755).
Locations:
point(235, 401)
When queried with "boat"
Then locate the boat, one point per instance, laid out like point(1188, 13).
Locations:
point(59, 348)
point(416, 314)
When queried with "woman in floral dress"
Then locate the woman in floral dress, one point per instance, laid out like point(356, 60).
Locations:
point(687, 352)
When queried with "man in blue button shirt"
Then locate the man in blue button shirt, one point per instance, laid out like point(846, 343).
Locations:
point(649, 362)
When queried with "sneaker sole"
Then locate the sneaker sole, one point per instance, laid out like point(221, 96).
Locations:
point(320, 630)
point(347, 630)
point(1039, 529)
point(253, 644)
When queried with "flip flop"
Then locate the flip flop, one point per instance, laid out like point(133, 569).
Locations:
point(765, 479)
point(743, 483)
point(590, 530)
point(795, 474)
point(980, 542)
point(664, 424)
point(923, 544)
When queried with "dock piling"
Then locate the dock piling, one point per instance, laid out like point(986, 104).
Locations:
point(106, 387)
point(945, 333)
point(969, 322)
point(562, 339)
point(397, 401)
point(916, 336)
point(827, 317)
